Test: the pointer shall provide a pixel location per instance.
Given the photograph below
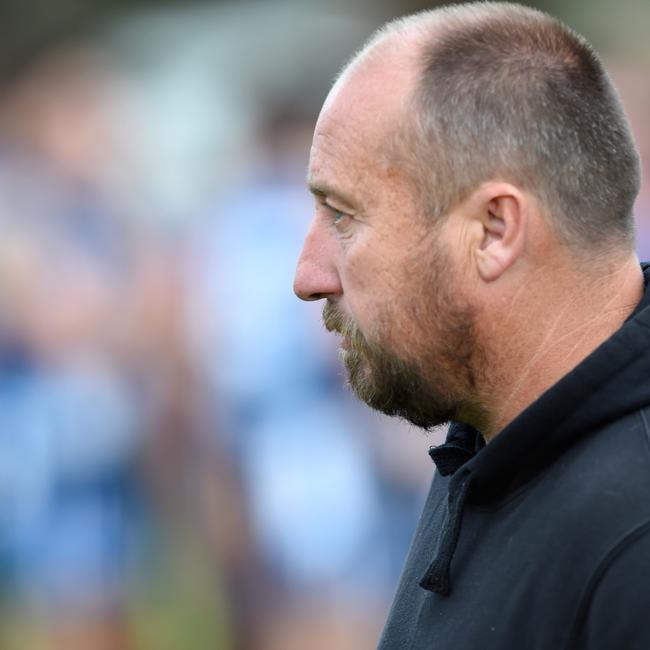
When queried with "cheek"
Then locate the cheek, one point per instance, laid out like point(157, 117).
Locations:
point(375, 265)
point(372, 291)
point(362, 290)
point(359, 271)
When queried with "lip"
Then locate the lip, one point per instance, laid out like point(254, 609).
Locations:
point(345, 343)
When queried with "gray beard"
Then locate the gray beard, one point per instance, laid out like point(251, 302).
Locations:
point(428, 391)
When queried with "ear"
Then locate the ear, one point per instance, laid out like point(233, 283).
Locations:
point(501, 213)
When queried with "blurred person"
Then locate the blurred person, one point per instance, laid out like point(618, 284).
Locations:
point(69, 401)
point(260, 358)
point(473, 240)
point(93, 381)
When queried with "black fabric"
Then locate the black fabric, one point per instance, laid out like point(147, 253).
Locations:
point(437, 578)
point(460, 446)
point(524, 543)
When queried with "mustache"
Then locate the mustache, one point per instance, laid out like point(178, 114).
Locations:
point(335, 321)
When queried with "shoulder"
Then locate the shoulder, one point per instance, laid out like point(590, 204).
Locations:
point(606, 482)
point(607, 472)
point(614, 605)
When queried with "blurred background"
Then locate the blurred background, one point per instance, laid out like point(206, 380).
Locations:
point(180, 466)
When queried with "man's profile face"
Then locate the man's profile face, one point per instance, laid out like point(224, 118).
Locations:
point(390, 283)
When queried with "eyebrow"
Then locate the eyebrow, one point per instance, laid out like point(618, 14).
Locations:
point(324, 190)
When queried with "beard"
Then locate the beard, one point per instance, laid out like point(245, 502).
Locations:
point(434, 382)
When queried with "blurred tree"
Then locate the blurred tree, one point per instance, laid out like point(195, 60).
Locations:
point(29, 28)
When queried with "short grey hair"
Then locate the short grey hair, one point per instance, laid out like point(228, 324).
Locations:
point(509, 92)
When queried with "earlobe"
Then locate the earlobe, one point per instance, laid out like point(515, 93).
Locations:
point(502, 217)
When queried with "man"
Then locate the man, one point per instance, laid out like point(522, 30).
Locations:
point(474, 177)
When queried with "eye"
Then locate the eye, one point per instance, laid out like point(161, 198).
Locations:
point(340, 219)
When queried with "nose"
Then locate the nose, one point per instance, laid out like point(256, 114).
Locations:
point(316, 274)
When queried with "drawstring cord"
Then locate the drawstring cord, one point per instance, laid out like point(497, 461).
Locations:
point(437, 576)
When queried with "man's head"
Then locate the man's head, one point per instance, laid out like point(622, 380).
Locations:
point(457, 153)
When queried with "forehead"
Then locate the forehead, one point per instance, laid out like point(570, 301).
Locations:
point(358, 119)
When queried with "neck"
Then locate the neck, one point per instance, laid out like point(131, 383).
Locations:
point(546, 329)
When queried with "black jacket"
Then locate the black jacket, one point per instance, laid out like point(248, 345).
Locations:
point(541, 539)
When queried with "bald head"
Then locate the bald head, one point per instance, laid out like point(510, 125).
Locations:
point(373, 89)
point(358, 121)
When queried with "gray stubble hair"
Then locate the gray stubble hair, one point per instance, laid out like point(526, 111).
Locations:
point(508, 92)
